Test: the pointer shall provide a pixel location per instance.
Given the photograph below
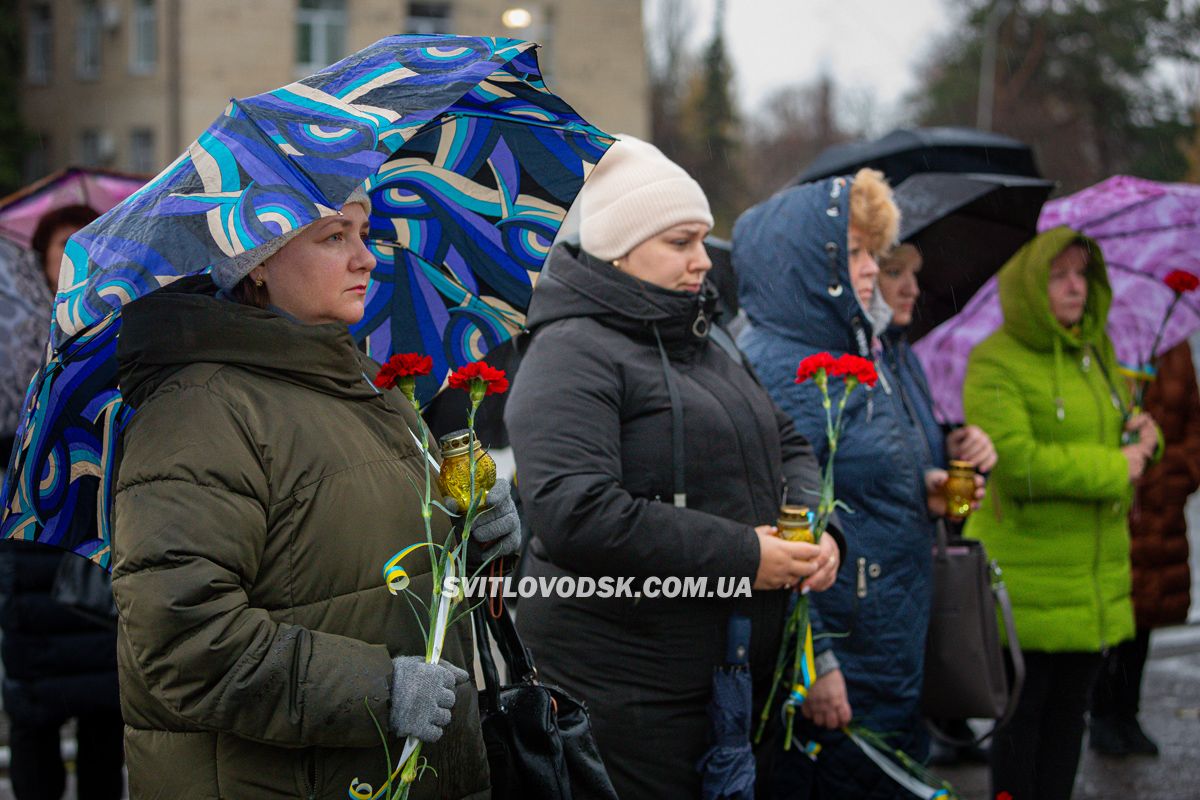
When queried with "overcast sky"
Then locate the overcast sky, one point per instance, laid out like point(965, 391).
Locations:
point(866, 45)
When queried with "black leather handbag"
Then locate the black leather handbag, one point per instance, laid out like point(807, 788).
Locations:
point(965, 671)
point(539, 738)
point(86, 589)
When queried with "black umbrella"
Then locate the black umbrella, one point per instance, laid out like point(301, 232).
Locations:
point(966, 227)
point(905, 152)
point(720, 253)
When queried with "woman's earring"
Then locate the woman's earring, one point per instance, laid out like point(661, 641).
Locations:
point(258, 281)
point(616, 262)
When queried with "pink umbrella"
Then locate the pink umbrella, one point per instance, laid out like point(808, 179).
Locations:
point(1145, 230)
point(101, 189)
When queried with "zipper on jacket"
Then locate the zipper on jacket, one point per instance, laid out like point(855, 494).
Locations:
point(310, 772)
point(1097, 526)
point(1096, 581)
point(862, 578)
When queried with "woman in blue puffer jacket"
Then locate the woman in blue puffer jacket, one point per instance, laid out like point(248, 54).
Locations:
point(805, 261)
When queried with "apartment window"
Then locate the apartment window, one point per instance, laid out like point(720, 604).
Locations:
point(39, 53)
point(428, 18)
point(144, 42)
point(320, 34)
point(87, 40)
point(95, 148)
point(141, 151)
point(37, 158)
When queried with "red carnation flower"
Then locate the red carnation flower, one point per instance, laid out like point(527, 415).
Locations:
point(810, 366)
point(1181, 281)
point(478, 375)
point(403, 365)
point(861, 369)
point(1004, 796)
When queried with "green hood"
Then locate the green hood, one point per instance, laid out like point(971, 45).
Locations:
point(1026, 305)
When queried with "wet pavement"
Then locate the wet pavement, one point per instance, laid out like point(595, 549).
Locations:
point(1170, 715)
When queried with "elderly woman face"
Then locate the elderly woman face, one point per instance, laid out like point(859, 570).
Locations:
point(321, 275)
point(898, 282)
point(1067, 287)
point(863, 267)
point(673, 259)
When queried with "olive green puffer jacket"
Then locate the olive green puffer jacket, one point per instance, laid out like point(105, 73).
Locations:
point(1055, 515)
point(262, 486)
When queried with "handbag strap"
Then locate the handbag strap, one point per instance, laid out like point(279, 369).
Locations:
point(483, 645)
point(503, 631)
point(1000, 594)
point(1014, 651)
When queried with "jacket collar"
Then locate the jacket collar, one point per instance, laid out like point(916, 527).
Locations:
point(576, 284)
point(186, 323)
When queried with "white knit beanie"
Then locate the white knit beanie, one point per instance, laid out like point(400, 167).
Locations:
point(634, 193)
point(228, 273)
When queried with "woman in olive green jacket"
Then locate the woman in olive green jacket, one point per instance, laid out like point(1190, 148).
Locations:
point(1045, 387)
point(263, 484)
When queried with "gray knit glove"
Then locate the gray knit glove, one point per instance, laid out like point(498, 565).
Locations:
point(422, 696)
point(499, 524)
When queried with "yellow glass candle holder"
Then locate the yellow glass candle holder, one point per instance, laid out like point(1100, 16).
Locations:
point(959, 490)
point(795, 525)
point(454, 479)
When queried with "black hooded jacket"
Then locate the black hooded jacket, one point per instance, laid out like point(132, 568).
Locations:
point(590, 421)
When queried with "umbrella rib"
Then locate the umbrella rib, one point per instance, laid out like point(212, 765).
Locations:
point(1117, 212)
point(1143, 231)
point(295, 168)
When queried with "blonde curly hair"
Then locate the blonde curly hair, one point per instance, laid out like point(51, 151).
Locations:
point(873, 211)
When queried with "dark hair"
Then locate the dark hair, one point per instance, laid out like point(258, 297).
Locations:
point(248, 293)
point(76, 216)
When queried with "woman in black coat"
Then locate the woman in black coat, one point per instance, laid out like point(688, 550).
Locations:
point(624, 353)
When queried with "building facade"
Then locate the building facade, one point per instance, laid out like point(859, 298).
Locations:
point(128, 84)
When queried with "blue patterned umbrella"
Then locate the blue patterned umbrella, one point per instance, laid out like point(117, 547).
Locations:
point(471, 164)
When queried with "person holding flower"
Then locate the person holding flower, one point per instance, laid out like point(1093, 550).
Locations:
point(646, 449)
point(1045, 386)
point(807, 269)
point(263, 484)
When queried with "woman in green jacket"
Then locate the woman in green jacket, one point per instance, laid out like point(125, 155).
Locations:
point(263, 485)
point(1055, 519)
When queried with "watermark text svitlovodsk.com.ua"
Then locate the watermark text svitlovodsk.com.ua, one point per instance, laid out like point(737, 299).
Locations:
point(605, 587)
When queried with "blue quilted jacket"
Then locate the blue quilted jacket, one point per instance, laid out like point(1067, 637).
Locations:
point(793, 281)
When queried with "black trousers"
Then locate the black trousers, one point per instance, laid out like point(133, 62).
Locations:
point(37, 769)
point(1118, 691)
point(1036, 755)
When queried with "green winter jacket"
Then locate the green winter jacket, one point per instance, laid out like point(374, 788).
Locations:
point(262, 486)
point(1055, 515)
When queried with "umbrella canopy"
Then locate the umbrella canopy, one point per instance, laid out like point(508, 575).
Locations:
point(1145, 230)
point(100, 189)
point(905, 152)
point(471, 163)
point(966, 226)
point(24, 313)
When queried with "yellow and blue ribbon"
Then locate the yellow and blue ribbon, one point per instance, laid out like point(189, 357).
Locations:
point(394, 575)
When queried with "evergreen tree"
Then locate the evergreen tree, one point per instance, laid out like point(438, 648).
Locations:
point(711, 153)
point(1079, 79)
